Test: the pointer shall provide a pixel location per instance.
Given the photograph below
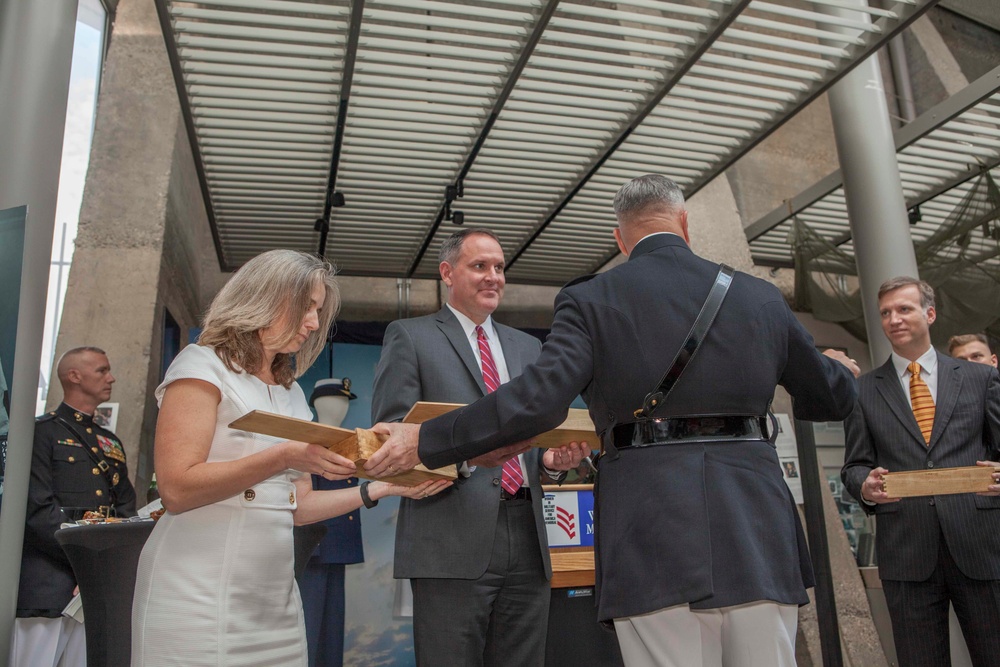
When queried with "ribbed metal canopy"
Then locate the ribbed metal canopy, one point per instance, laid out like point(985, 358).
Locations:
point(534, 112)
point(939, 155)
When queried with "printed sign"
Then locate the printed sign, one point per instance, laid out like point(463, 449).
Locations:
point(569, 518)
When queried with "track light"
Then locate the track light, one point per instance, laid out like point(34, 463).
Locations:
point(458, 217)
point(913, 215)
point(338, 200)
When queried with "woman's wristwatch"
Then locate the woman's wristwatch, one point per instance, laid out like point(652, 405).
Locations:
point(365, 498)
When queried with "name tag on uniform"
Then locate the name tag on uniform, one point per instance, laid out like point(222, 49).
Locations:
point(70, 442)
point(111, 448)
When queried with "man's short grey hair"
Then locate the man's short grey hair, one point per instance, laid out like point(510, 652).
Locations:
point(451, 248)
point(645, 191)
point(926, 291)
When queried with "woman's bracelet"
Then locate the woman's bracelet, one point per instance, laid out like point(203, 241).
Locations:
point(365, 498)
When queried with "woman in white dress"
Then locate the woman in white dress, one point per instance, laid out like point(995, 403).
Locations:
point(215, 584)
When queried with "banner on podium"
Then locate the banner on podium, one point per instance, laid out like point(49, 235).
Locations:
point(569, 518)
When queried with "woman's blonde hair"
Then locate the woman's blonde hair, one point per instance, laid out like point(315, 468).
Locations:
point(271, 285)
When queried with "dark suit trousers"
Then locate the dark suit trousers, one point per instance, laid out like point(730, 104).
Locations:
point(500, 618)
point(919, 612)
point(322, 591)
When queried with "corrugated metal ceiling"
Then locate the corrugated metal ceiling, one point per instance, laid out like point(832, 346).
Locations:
point(939, 154)
point(528, 113)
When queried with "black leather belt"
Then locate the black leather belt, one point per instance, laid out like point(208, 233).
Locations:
point(524, 493)
point(685, 430)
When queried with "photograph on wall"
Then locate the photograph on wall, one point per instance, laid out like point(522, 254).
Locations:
point(788, 456)
point(106, 416)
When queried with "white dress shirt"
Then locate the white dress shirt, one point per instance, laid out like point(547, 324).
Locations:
point(928, 372)
point(496, 349)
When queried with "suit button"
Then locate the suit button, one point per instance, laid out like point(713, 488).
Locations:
point(96, 471)
point(496, 481)
point(249, 494)
point(930, 464)
point(350, 518)
point(931, 503)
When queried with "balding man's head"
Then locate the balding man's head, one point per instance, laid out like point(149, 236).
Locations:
point(85, 375)
point(71, 359)
point(647, 205)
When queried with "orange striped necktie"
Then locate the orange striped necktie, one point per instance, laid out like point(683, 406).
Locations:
point(921, 402)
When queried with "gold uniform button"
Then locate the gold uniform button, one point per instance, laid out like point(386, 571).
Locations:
point(96, 471)
point(90, 430)
point(71, 459)
point(93, 449)
point(291, 498)
point(99, 493)
point(350, 518)
point(249, 494)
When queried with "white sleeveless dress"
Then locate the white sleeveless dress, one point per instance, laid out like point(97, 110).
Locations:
point(215, 584)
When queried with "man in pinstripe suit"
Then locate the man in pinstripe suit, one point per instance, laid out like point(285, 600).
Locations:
point(935, 550)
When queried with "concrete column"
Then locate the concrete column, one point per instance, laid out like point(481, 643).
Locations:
point(883, 248)
point(36, 51)
point(115, 294)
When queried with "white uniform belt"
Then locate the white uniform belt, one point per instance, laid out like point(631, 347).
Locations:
point(272, 494)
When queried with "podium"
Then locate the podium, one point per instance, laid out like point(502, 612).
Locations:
point(105, 558)
point(574, 635)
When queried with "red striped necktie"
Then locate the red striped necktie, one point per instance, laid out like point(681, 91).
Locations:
point(511, 478)
point(921, 401)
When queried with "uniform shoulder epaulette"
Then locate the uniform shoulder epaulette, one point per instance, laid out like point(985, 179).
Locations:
point(48, 416)
point(580, 279)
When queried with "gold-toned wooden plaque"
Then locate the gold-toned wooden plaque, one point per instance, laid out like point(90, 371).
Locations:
point(357, 445)
point(577, 428)
point(943, 481)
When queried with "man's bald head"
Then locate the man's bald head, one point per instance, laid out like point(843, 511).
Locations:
point(647, 205)
point(85, 375)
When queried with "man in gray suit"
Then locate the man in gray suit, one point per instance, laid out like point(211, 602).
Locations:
point(476, 554)
point(923, 410)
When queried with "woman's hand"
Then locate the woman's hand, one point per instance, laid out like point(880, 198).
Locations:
point(382, 489)
point(316, 459)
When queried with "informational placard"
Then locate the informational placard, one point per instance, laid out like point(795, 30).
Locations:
point(569, 518)
point(788, 456)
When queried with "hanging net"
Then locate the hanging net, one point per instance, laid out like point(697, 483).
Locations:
point(961, 261)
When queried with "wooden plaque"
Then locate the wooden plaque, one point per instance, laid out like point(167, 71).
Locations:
point(357, 445)
point(291, 428)
point(944, 481)
point(577, 428)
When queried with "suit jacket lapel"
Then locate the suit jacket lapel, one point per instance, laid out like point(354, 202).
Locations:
point(511, 352)
point(455, 334)
point(949, 386)
point(892, 392)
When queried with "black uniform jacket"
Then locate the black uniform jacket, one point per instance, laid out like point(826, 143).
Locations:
point(712, 525)
point(66, 460)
